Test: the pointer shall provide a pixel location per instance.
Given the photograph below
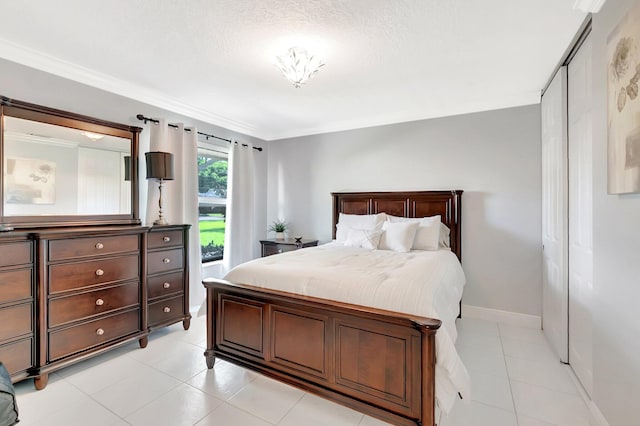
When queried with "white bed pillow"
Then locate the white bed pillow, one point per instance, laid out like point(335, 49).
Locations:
point(365, 238)
point(428, 233)
point(445, 236)
point(398, 236)
point(347, 222)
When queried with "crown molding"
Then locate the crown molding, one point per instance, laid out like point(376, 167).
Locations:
point(588, 6)
point(52, 65)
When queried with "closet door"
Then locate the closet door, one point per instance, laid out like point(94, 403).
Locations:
point(554, 214)
point(580, 216)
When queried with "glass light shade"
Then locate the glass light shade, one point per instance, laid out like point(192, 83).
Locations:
point(298, 65)
point(93, 136)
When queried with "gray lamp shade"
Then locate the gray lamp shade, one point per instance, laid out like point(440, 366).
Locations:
point(159, 165)
point(127, 167)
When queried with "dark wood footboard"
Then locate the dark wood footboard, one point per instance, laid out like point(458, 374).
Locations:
point(378, 362)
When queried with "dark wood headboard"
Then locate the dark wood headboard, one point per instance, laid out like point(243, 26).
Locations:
point(405, 204)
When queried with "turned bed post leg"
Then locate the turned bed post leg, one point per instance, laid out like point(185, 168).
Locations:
point(209, 354)
point(428, 364)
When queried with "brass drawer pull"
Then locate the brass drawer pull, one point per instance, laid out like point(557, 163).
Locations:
point(99, 332)
point(166, 309)
point(166, 285)
point(99, 272)
point(99, 246)
point(99, 302)
point(166, 260)
point(166, 239)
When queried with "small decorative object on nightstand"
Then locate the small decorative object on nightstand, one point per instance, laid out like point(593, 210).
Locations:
point(276, 246)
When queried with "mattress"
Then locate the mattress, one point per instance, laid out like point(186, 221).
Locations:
point(422, 283)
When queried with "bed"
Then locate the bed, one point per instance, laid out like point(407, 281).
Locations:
point(380, 362)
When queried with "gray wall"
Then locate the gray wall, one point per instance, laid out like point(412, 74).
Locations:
point(495, 157)
point(616, 256)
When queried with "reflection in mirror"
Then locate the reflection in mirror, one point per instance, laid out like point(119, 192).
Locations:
point(55, 170)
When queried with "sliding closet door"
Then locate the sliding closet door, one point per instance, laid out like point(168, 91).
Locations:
point(580, 216)
point(554, 214)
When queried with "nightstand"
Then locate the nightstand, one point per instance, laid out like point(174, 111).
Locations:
point(273, 246)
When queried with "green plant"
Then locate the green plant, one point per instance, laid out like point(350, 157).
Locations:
point(278, 226)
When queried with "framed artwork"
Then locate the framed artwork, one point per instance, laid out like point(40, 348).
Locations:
point(623, 106)
point(30, 181)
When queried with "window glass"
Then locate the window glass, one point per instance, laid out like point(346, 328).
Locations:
point(212, 202)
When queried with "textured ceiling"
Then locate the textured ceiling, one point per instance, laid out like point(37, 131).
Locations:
point(386, 60)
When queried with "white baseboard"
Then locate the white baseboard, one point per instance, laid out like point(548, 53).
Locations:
point(503, 317)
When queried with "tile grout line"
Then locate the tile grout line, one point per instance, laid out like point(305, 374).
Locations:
point(504, 358)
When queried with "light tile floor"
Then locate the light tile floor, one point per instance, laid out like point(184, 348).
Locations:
point(516, 380)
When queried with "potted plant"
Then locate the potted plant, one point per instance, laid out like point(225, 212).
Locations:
point(279, 226)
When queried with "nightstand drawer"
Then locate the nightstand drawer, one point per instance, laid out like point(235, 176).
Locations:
point(165, 260)
point(92, 246)
point(166, 310)
point(83, 336)
point(72, 308)
point(15, 254)
point(164, 285)
point(15, 321)
point(15, 285)
point(17, 356)
point(76, 275)
point(167, 238)
point(271, 249)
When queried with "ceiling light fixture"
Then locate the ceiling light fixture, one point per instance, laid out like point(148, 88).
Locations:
point(298, 65)
point(93, 136)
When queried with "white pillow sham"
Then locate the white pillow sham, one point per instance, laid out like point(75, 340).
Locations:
point(365, 238)
point(398, 236)
point(347, 222)
point(428, 235)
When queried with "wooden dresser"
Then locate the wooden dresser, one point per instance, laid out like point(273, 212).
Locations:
point(67, 294)
point(168, 275)
point(17, 326)
point(93, 283)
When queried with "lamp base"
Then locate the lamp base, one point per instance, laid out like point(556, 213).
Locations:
point(160, 221)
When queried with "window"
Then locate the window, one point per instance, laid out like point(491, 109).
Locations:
point(212, 202)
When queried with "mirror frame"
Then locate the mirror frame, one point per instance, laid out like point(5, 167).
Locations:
point(19, 109)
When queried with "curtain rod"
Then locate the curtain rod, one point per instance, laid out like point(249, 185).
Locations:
point(146, 119)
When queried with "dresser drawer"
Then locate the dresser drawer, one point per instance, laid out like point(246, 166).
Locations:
point(15, 321)
point(93, 333)
point(166, 310)
point(17, 356)
point(164, 285)
point(167, 238)
point(75, 275)
point(15, 253)
point(15, 285)
point(71, 308)
point(165, 260)
point(92, 246)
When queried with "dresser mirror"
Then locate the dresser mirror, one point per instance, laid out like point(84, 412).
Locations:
point(60, 168)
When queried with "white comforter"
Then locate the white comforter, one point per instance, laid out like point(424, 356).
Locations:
point(423, 283)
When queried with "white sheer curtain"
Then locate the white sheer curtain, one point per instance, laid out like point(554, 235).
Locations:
point(179, 196)
point(240, 240)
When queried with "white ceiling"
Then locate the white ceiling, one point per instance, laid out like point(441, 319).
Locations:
point(386, 60)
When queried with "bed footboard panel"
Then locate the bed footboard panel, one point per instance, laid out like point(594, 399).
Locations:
point(373, 361)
